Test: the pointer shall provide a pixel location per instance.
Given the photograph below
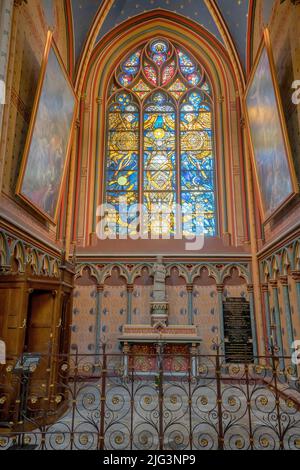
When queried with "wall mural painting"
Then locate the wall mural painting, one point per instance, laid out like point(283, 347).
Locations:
point(273, 164)
point(48, 142)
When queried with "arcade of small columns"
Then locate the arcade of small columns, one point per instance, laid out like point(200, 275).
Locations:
point(219, 274)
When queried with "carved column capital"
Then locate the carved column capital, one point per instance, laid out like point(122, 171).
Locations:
point(220, 288)
point(265, 287)
point(250, 288)
point(296, 276)
point(100, 287)
point(190, 288)
point(274, 283)
point(284, 280)
point(130, 288)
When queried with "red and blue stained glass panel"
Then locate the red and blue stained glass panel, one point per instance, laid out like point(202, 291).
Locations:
point(160, 120)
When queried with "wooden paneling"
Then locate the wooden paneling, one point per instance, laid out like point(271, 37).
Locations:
point(35, 317)
point(39, 322)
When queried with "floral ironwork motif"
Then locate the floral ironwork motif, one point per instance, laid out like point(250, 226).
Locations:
point(112, 406)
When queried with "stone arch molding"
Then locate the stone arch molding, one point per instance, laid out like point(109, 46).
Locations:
point(89, 152)
point(188, 271)
point(279, 263)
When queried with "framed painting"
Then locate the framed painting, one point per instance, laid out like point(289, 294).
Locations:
point(271, 152)
point(49, 138)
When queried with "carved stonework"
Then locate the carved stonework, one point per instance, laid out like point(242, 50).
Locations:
point(19, 257)
point(159, 306)
point(159, 314)
point(159, 286)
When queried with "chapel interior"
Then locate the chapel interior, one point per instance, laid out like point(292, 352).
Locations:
point(193, 106)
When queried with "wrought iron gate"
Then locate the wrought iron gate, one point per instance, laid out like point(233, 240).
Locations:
point(98, 402)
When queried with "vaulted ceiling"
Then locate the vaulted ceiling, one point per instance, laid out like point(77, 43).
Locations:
point(234, 12)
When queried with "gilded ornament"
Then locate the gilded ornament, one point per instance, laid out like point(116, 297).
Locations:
point(264, 401)
point(119, 440)
point(84, 439)
point(90, 400)
point(147, 400)
point(204, 401)
point(290, 404)
point(232, 401)
point(178, 439)
point(264, 442)
point(59, 439)
point(173, 399)
point(239, 444)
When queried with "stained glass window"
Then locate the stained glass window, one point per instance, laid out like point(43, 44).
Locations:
point(160, 141)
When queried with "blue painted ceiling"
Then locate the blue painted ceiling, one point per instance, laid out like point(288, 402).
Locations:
point(234, 13)
point(84, 12)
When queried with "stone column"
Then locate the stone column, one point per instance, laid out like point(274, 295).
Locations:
point(252, 316)
point(100, 289)
point(220, 290)
point(274, 285)
point(265, 290)
point(69, 211)
point(126, 351)
point(130, 288)
point(194, 365)
point(288, 313)
point(296, 278)
point(190, 290)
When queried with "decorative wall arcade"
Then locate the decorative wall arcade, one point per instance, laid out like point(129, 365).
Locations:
point(280, 276)
point(109, 295)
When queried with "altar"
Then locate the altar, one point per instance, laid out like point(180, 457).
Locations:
point(159, 346)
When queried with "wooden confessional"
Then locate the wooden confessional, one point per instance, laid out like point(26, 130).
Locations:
point(35, 318)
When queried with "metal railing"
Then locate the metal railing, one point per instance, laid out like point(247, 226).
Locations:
point(150, 402)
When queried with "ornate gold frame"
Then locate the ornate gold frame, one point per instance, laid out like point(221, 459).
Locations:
point(266, 43)
point(50, 43)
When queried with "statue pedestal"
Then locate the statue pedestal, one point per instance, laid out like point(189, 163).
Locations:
point(159, 313)
point(178, 344)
